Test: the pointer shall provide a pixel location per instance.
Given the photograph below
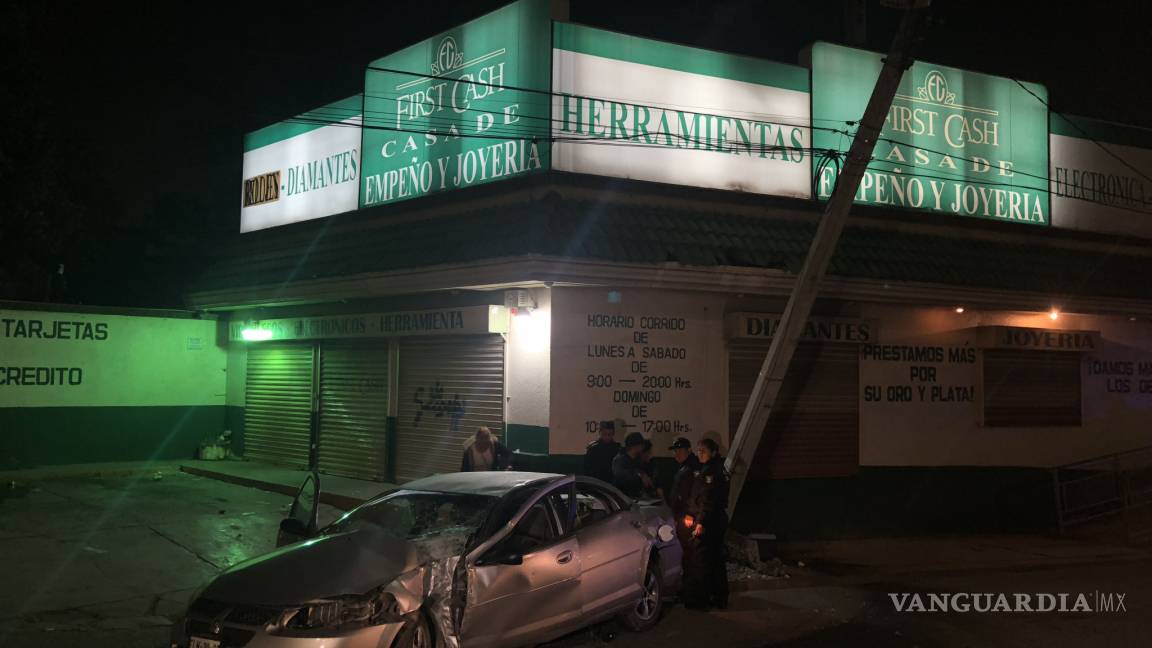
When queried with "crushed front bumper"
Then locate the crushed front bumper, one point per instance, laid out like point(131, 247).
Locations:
point(235, 636)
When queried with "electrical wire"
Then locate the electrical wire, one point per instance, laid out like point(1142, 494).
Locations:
point(1083, 132)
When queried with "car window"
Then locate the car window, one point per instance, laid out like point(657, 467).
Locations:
point(508, 507)
point(592, 505)
point(563, 503)
point(535, 530)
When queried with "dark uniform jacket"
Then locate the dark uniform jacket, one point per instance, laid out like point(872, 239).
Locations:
point(708, 502)
point(681, 490)
point(598, 459)
point(626, 475)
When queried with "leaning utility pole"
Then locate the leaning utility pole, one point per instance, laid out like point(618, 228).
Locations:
point(787, 336)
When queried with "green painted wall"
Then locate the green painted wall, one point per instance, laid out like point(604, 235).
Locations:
point(92, 387)
point(527, 438)
point(40, 436)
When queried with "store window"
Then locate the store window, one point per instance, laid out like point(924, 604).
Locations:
point(1031, 388)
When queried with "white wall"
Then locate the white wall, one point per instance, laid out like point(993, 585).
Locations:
point(56, 359)
point(950, 433)
point(692, 389)
point(237, 373)
point(528, 361)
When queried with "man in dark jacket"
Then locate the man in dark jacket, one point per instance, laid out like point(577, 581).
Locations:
point(485, 452)
point(627, 470)
point(707, 511)
point(600, 453)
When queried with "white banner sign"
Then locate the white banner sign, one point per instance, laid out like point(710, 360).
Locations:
point(302, 169)
point(631, 108)
point(1095, 191)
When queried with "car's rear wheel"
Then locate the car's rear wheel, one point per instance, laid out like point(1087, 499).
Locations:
point(646, 612)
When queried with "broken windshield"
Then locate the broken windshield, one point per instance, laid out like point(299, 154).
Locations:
point(413, 515)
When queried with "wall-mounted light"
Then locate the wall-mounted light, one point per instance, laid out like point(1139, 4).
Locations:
point(255, 334)
point(959, 309)
point(1054, 314)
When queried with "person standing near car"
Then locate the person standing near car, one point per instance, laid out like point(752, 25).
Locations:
point(686, 465)
point(627, 470)
point(599, 454)
point(678, 496)
point(707, 510)
point(485, 452)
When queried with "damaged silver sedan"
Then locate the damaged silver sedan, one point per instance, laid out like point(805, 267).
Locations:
point(461, 559)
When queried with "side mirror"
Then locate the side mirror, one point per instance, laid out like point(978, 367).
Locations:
point(291, 530)
point(303, 517)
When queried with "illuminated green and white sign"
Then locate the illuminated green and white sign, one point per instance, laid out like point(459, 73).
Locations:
point(303, 168)
point(636, 108)
point(466, 107)
point(954, 141)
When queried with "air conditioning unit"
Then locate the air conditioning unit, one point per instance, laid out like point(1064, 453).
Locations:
point(519, 300)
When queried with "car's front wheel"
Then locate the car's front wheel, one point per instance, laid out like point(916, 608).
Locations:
point(417, 633)
point(646, 612)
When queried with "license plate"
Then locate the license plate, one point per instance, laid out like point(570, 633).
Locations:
point(201, 642)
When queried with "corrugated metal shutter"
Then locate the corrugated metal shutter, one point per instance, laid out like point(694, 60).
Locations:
point(1031, 388)
point(278, 403)
point(814, 430)
point(448, 388)
point(353, 408)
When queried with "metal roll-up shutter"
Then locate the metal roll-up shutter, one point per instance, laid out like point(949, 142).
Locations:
point(353, 409)
point(448, 387)
point(814, 429)
point(1025, 388)
point(278, 403)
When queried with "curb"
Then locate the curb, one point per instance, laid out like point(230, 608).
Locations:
point(342, 502)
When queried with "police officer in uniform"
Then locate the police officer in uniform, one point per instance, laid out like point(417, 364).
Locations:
point(706, 521)
point(599, 454)
point(678, 496)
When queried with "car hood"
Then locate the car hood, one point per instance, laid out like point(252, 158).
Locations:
point(351, 562)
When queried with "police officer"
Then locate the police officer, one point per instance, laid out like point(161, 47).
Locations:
point(599, 454)
point(706, 583)
point(682, 482)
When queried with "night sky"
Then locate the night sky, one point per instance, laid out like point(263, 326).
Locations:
point(120, 146)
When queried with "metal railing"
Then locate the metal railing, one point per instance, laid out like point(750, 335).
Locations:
point(1115, 488)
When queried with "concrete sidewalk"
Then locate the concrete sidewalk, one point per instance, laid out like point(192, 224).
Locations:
point(886, 557)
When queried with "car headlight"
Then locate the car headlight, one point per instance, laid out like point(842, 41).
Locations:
point(341, 614)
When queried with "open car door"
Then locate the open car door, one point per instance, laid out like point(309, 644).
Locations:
point(303, 517)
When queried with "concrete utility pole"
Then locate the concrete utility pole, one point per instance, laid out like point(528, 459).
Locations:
point(775, 367)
